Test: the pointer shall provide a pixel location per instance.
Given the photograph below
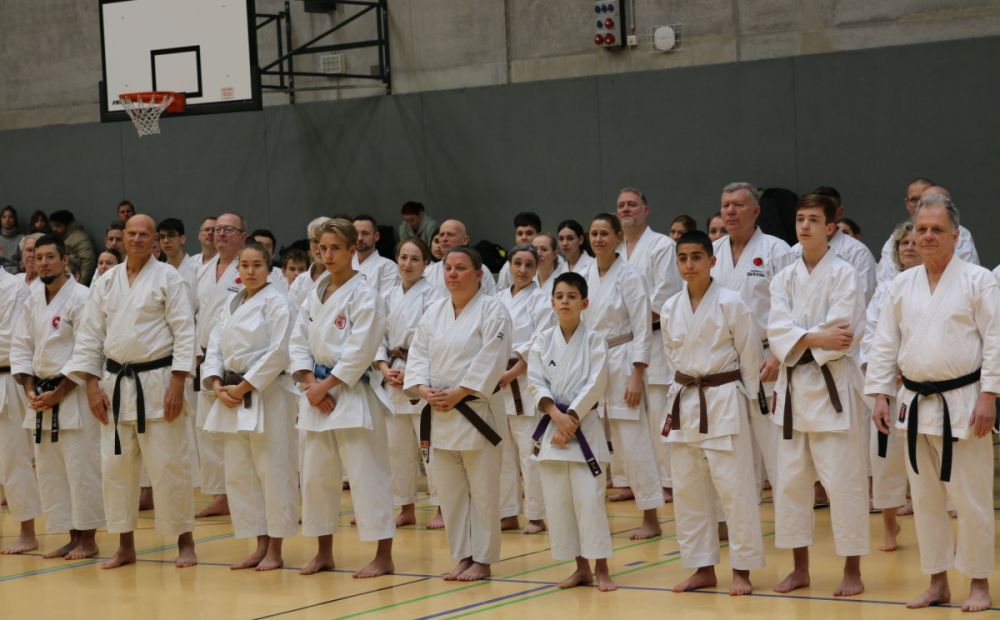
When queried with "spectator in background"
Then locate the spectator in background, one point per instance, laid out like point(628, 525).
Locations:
point(294, 262)
point(125, 210)
point(436, 252)
point(114, 237)
point(10, 239)
point(206, 238)
point(416, 223)
point(28, 259)
point(849, 227)
point(78, 245)
point(682, 224)
point(39, 223)
point(716, 227)
point(106, 260)
point(265, 238)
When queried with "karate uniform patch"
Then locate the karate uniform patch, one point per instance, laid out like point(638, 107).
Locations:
point(902, 414)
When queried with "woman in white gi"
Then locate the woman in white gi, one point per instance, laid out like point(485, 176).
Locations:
point(337, 334)
point(713, 344)
point(66, 438)
point(530, 311)
point(255, 408)
point(573, 245)
point(549, 265)
point(619, 311)
point(567, 375)
point(457, 356)
point(406, 303)
point(889, 471)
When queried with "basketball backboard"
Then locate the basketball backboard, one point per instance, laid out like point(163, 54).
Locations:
point(206, 49)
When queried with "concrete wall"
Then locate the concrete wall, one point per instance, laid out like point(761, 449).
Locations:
point(50, 49)
point(864, 121)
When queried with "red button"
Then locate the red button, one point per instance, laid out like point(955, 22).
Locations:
point(609, 23)
point(598, 39)
point(609, 39)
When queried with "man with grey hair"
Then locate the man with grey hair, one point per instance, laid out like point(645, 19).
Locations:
point(940, 331)
point(746, 260)
point(965, 249)
point(453, 234)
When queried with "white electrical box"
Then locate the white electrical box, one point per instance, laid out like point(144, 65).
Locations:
point(609, 16)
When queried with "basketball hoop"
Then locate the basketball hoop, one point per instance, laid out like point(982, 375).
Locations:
point(145, 108)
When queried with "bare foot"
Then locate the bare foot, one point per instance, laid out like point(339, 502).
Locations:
point(793, 581)
point(741, 585)
point(509, 523)
point(723, 531)
point(61, 552)
point(979, 596)
point(407, 516)
point(889, 537)
point(82, 551)
point(704, 577)
point(646, 530)
point(437, 523)
point(252, 561)
point(23, 544)
point(935, 595)
point(460, 568)
point(321, 562)
point(120, 558)
point(146, 498)
point(668, 495)
point(475, 572)
point(270, 563)
point(186, 556)
point(376, 568)
point(850, 585)
point(622, 495)
point(535, 526)
point(580, 577)
point(218, 506)
point(604, 583)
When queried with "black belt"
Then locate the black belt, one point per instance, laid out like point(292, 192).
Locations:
point(930, 388)
point(515, 389)
point(4, 370)
point(588, 454)
point(720, 378)
point(42, 386)
point(462, 407)
point(197, 372)
point(656, 326)
point(234, 378)
point(132, 370)
point(831, 389)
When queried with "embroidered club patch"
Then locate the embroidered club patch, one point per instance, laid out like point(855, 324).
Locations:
point(757, 262)
point(239, 280)
point(666, 427)
point(55, 322)
point(341, 321)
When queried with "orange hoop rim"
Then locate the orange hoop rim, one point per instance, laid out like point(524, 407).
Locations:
point(156, 97)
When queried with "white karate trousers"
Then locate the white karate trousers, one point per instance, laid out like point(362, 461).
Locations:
point(469, 489)
point(574, 502)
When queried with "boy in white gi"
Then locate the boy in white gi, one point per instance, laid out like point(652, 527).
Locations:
point(714, 345)
point(567, 376)
point(460, 350)
point(337, 334)
point(814, 329)
point(939, 329)
point(16, 473)
point(66, 437)
point(255, 409)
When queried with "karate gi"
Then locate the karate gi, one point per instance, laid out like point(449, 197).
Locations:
point(303, 284)
point(751, 276)
point(573, 374)
point(582, 263)
point(381, 273)
point(548, 287)
point(964, 249)
point(435, 275)
point(824, 442)
point(68, 470)
point(405, 309)
point(935, 337)
point(469, 351)
point(260, 442)
point(714, 469)
point(343, 334)
point(858, 255)
point(211, 296)
point(655, 258)
point(16, 473)
point(619, 310)
point(889, 472)
point(149, 320)
point(531, 312)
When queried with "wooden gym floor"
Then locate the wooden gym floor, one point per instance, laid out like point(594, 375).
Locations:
point(524, 580)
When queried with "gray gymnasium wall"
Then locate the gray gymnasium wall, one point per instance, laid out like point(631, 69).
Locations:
point(862, 121)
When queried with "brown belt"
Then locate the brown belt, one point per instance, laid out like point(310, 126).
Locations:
point(515, 389)
point(398, 353)
point(619, 340)
point(831, 389)
point(701, 383)
point(235, 378)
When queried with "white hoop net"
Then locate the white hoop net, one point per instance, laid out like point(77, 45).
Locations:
point(145, 114)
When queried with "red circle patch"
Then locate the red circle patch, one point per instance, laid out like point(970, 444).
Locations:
point(758, 261)
point(239, 280)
